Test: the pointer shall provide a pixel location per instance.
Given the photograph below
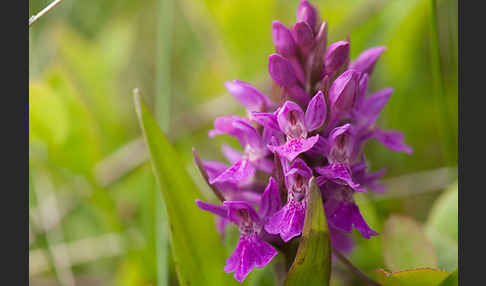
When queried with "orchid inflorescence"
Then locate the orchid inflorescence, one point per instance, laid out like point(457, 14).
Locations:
point(316, 124)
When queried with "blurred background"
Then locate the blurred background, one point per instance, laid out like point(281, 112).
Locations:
point(95, 215)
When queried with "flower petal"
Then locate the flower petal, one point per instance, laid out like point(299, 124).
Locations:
point(321, 148)
point(360, 224)
point(316, 61)
point(264, 253)
point(339, 173)
point(316, 112)
point(264, 164)
point(293, 148)
point(304, 36)
point(248, 134)
point(342, 217)
point(362, 89)
point(372, 105)
point(288, 221)
point(299, 166)
point(247, 95)
point(336, 56)
point(235, 208)
point(224, 125)
point(368, 179)
point(283, 39)
point(290, 118)
point(214, 168)
point(249, 252)
point(233, 262)
point(238, 173)
point(343, 91)
point(393, 140)
point(367, 59)
point(307, 13)
point(231, 154)
point(221, 211)
point(282, 71)
point(270, 202)
point(267, 120)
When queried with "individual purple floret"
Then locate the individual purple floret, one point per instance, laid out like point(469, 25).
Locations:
point(251, 251)
point(341, 210)
point(289, 220)
point(254, 154)
point(296, 126)
point(314, 122)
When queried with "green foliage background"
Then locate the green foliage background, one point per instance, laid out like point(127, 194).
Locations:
point(92, 191)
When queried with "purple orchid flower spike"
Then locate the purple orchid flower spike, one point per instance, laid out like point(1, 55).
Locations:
point(251, 250)
point(366, 60)
point(320, 117)
point(289, 220)
point(247, 95)
point(296, 125)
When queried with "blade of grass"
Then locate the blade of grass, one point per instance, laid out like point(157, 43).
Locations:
point(162, 113)
point(195, 245)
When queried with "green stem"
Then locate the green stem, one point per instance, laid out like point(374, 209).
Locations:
point(162, 112)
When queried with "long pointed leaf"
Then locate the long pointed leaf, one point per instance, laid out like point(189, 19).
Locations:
point(198, 253)
point(312, 264)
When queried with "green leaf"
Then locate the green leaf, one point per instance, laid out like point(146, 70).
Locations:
point(451, 280)
point(411, 277)
point(197, 250)
point(405, 245)
point(312, 264)
point(442, 228)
